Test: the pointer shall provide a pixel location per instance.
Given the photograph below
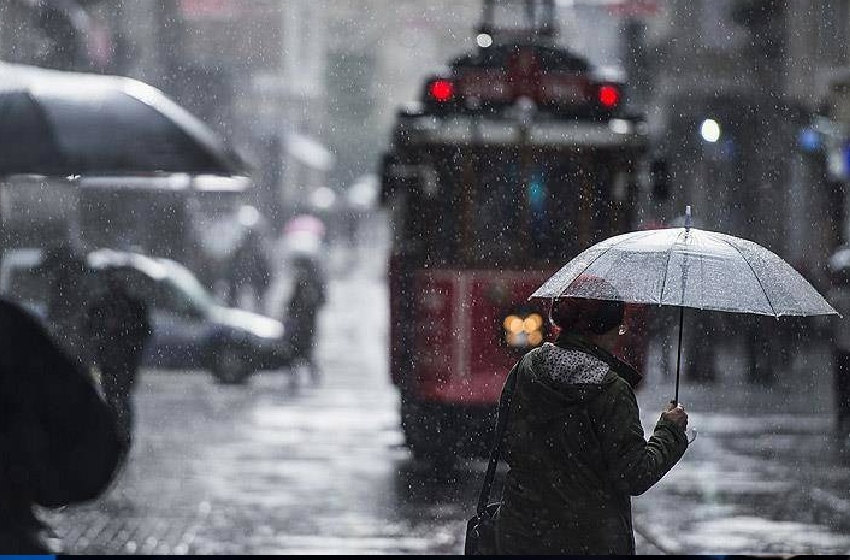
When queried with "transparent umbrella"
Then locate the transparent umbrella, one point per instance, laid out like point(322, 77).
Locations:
point(689, 267)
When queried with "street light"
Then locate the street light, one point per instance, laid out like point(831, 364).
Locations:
point(710, 130)
point(484, 40)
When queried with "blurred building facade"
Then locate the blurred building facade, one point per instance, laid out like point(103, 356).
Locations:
point(308, 89)
point(252, 70)
point(752, 72)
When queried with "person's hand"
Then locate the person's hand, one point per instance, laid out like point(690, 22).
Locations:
point(677, 415)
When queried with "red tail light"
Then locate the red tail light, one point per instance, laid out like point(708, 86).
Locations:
point(609, 96)
point(441, 90)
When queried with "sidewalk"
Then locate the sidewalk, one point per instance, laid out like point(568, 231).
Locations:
point(765, 474)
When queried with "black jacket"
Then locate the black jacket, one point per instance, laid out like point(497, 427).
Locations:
point(577, 453)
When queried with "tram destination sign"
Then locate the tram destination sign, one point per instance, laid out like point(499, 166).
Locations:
point(473, 131)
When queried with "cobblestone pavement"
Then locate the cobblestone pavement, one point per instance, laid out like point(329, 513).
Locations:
point(268, 469)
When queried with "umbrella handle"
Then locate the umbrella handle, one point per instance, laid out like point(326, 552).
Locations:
point(675, 400)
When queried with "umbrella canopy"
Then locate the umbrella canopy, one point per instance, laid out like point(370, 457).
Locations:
point(690, 268)
point(72, 123)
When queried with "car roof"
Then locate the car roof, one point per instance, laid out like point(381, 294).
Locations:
point(109, 258)
point(99, 259)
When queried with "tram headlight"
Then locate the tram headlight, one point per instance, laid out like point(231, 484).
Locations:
point(532, 323)
point(523, 331)
point(514, 324)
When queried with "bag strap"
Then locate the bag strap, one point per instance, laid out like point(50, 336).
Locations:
point(496, 451)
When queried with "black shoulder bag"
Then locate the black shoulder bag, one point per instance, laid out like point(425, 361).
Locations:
point(481, 529)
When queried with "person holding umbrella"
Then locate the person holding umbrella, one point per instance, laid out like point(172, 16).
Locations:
point(575, 443)
point(568, 416)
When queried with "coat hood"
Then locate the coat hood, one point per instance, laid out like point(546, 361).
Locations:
point(566, 376)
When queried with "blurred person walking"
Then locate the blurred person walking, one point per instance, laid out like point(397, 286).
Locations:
point(59, 443)
point(574, 440)
point(249, 273)
point(119, 327)
point(307, 298)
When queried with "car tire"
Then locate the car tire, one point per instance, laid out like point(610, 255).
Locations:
point(230, 366)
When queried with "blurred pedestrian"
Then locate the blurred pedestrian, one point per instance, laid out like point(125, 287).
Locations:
point(250, 273)
point(574, 441)
point(119, 327)
point(839, 298)
point(58, 440)
point(307, 298)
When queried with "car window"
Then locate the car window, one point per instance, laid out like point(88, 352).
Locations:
point(142, 286)
point(161, 294)
point(180, 302)
point(28, 143)
point(189, 287)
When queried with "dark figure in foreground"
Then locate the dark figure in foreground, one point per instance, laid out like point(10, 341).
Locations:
point(308, 296)
point(575, 444)
point(58, 440)
point(119, 327)
point(68, 275)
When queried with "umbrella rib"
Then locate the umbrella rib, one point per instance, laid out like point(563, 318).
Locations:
point(628, 238)
point(753, 270)
point(666, 270)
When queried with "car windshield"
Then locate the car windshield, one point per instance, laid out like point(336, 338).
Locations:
point(189, 287)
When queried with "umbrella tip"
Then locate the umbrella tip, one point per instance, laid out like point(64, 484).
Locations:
point(687, 218)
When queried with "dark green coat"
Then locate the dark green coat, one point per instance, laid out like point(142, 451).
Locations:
point(577, 454)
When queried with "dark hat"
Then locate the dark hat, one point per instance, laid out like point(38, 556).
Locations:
point(589, 316)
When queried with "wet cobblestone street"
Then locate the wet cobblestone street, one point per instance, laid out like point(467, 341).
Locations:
point(271, 469)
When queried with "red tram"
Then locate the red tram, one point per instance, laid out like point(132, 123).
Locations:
point(516, 159)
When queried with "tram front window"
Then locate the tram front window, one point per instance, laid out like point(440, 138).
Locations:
point(498, 209)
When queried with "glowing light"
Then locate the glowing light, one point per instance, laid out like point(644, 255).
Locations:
point(710, 130)
point(248, 216)
point(609, 96)
point(532, 323)
point(441, 90)
point(323, 198)
point(620, 126)
point(809, 140)
point(535, 338)
point(484, 40)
